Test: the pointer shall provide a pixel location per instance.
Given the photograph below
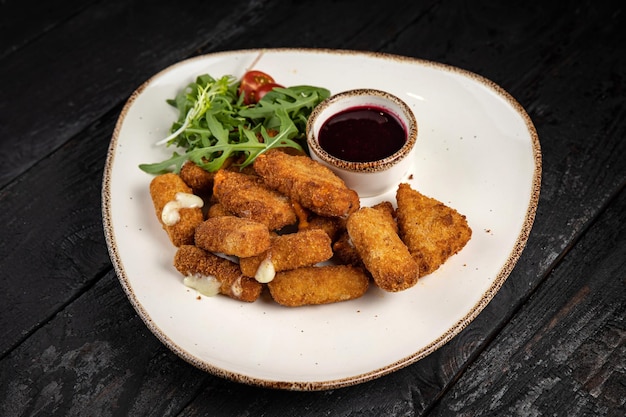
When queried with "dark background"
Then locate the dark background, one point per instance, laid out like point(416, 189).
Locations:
point(550, 343)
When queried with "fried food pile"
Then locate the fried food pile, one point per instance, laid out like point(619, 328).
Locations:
point(290, 225)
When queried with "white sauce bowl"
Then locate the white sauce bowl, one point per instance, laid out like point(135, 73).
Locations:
point(370, 178)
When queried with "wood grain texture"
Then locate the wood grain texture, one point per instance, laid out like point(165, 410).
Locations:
point(23, 21)
point(563, 353)
point(91, 62)
point(550, 342)
point(96, 358)
point(53, 243)
point(95, 59)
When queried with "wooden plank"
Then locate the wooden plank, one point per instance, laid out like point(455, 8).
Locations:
point(564, 352)
point(96, 358)
point(335, 25)
point(50, 253)
point(85, 67)
point(23, 21)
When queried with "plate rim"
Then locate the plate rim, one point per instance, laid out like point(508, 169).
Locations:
point(444, 338)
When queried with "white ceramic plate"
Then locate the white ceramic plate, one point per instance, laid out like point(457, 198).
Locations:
point(477, 151)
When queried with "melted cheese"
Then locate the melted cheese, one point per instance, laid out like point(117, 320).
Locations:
point(265, 272)
point(171, 211)
point(205, 285)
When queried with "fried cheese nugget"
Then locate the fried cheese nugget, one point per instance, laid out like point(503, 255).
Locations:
point(232, 235)
point(382, 251)
point(345, 251)
point(194, 262)
point(290, 251)
point(333, 226)
point(308, 182)
point(432, 231)
point(343, 247)
point(387, 207)
point(309, 220)
point(247, 196)
point(314, 285)
point(200, 180)
point(217, 210)
point(177, 208)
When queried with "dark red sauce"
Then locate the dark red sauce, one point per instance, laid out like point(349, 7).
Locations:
point(362, 134)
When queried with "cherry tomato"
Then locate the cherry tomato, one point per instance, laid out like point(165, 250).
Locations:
point(251, 82)
point(264, 89)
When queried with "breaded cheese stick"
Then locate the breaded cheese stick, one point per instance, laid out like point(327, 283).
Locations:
point(177, 208)
point(314, 285)
point(344, 249)
point(194, 262)
point(217, 210)
point(200, 180)
point(308, 182)
point(333, 226)
point(232, 235)
point(387, 207)
point(382, 251)
point(432, 231)
point(290, 251)
point(247, 196)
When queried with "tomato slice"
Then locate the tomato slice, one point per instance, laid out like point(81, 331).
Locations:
point(250, 84)
point(264, 89)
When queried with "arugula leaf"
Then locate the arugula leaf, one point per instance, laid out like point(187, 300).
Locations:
point(194, 102)
point(213, 123)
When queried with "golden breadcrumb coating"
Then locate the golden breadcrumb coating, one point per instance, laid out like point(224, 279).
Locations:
point(200, 180)
point(333, 226)
point(247, 196)
point(191, 260)
point(318, 285)
point(232, 235)
point(385, 256)
point(163, 189)
point(432, 231)
point(291, 251)
point(387, 207)
point(217, 210)
point(308, 182)
point(345, 252)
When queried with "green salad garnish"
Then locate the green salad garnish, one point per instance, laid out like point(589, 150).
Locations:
point(214, 124)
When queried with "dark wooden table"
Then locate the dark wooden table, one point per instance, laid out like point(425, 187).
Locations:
point(550, 343)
